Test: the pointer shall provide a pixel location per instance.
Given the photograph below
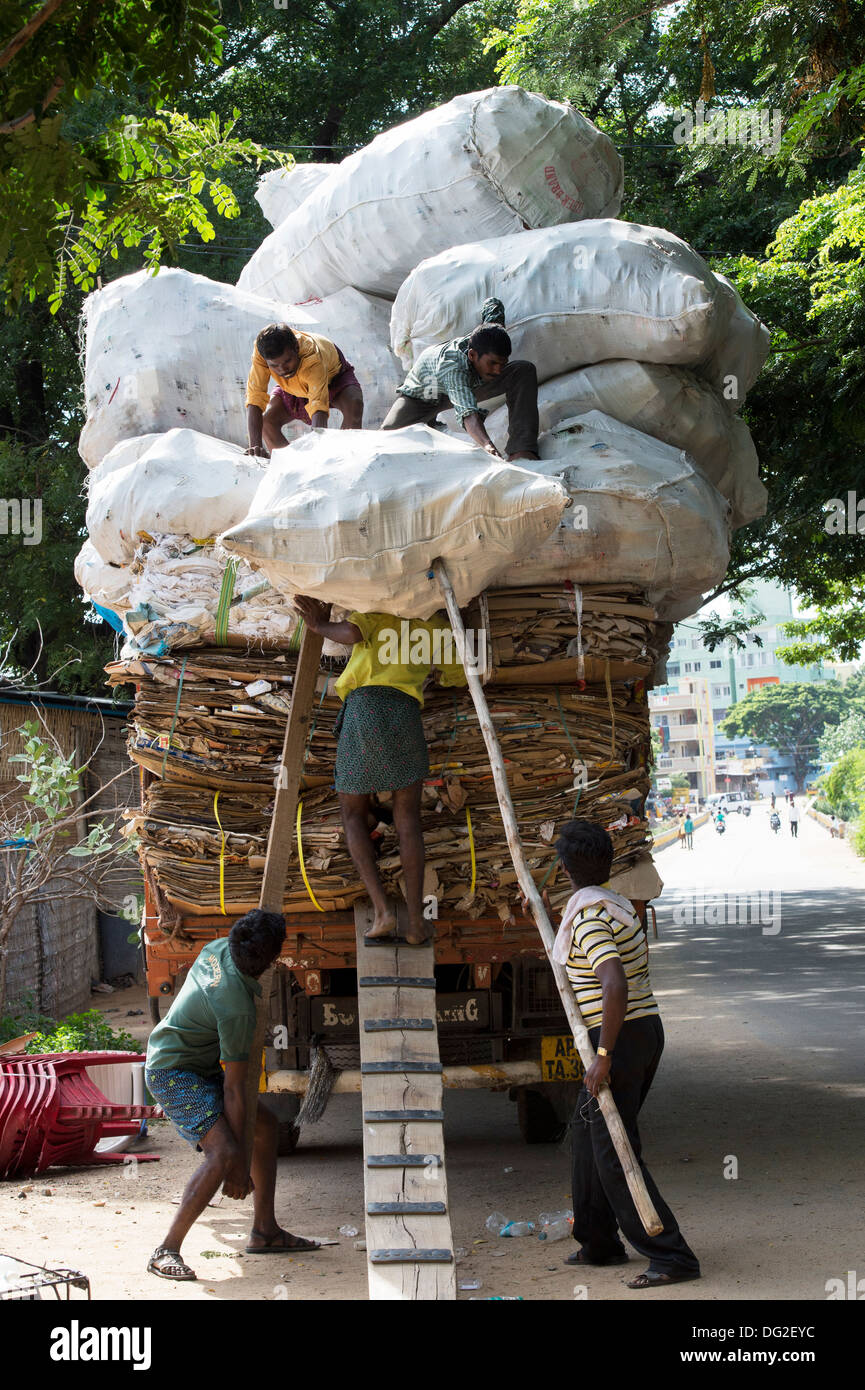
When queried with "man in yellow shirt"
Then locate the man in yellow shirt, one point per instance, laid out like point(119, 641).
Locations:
point(381, 744)
point(312, 377)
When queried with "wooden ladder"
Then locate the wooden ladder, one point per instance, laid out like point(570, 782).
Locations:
point(408, 1231)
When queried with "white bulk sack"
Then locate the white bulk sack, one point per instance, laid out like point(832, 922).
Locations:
point(126, 452)
point(174, 350)
point(642, 515)
point(583, 293)
point(669, 403)
point(485, 164)
point(107, 585)
point(185, 484)
point(280, 191)
point(358, 518)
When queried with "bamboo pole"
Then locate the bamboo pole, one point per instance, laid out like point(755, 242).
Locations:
point(637, 1187)
point(279, 846)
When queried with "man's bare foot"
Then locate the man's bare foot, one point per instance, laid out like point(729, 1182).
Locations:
point(384, 924)
point(417, 933)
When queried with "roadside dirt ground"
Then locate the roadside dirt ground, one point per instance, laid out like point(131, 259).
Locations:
point(763, 1064)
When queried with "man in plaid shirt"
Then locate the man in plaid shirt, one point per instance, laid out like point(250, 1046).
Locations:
point(468, 370)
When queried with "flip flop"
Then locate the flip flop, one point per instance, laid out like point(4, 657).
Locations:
point(277, 1244)
point(184, 1273)
point(649, 1279)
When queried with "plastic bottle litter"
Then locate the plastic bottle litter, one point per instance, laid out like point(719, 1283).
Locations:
point(495, 1222)
point(348, 1230)
point(518, 1228)
point(460, 1254)
point(555, 1225)
point(470, 1284)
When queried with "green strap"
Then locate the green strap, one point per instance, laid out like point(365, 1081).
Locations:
point(176, 711)
point(223, 606)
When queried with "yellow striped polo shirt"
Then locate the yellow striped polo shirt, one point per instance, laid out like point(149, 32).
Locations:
point(599, 937)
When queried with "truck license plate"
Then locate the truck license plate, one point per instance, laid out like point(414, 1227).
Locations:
point(560, 1060)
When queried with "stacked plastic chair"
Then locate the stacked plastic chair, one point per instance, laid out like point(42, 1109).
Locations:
point(52, 1113)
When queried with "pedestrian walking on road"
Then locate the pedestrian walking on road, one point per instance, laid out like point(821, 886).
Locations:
point(794, 820)
point(689, 832)
point(604, 950)
point(681, 833)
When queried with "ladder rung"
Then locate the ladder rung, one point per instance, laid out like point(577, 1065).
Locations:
point(404, 1161)
point(411, 1257)
point(390, 1025)
point(406, 1117)
point(408, 1065)
point(406, 1209)
point(395, 981)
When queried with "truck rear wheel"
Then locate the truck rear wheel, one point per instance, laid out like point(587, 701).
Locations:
point(537, 1118)
point(286, 1109)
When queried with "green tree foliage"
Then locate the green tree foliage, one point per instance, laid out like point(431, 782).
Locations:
point(790, 718)
point(845, 737)
point(844, 786)
point(77, 190)
point(333, 73)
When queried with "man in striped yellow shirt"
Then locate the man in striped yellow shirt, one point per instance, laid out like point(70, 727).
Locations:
point(604, 950)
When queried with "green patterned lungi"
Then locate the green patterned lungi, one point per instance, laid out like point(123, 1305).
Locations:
point(381, 741)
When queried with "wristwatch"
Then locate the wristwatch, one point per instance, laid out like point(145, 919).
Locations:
point(602, 1052)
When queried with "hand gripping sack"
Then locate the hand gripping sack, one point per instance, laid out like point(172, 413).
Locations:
point(482, 165)
point(357, 518)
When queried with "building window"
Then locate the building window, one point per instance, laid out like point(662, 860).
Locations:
point(715, 665)
point(695, 642)
point(698, 665)
point(687, 666)
point(673, 668)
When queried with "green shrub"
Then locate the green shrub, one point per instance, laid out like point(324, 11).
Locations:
point(87, 1032)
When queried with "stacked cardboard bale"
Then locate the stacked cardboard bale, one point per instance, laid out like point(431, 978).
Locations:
point(209, 724)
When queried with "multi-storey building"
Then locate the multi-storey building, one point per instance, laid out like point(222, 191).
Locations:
point(702, 685)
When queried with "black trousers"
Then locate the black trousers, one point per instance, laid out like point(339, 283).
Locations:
point(518, 383)
point(602, 1202)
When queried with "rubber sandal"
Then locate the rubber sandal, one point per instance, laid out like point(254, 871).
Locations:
point(186, 1274)
point(277, 1244)
point(650, 1280)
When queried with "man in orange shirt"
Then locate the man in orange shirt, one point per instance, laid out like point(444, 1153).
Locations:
point(312, 376)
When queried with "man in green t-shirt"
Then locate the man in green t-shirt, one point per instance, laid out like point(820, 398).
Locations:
point(213, 1018)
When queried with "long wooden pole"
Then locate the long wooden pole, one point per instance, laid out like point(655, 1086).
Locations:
point(637, 1187)
point(279, 844)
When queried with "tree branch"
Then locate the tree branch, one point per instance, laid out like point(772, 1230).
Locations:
point(436, 22)
point(9, 127)
point(658, 5)
point(25, 35)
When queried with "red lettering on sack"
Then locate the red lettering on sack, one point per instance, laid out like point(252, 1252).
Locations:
point(572, 204)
